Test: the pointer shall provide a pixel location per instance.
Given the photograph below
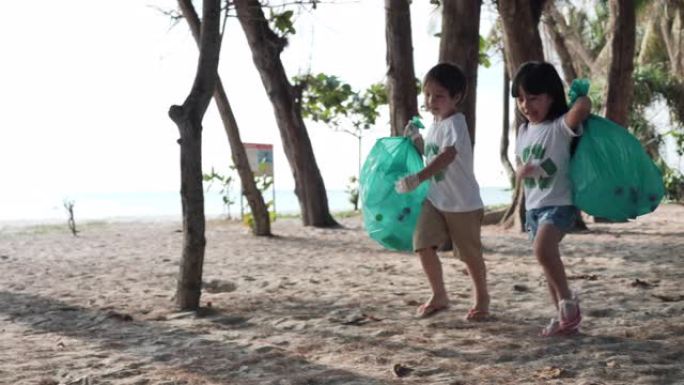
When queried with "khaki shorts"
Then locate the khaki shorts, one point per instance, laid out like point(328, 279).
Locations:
point(435, 227)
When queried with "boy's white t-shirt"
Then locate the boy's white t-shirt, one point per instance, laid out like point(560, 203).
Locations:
point(547, 144)
point(453, 189)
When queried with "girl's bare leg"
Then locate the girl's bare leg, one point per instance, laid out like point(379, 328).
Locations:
point(547, 253)
point(553, 293)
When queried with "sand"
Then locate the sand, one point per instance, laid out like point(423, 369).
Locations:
point(318, 306)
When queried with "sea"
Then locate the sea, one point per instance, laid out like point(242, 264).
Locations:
point(167, 205)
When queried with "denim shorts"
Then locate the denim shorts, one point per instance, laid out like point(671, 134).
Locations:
point(563, 217)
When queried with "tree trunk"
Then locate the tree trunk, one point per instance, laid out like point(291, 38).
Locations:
point(262, 221)
point(581, 56)
point(520, 33)
point(460, 44)
point(188, 118)
point(401, 77)
point(677, 31)
point(266, 47)
point(651, 45)
point(505, 129)
point(522, 43)
point(673, 34)
point(560, 45)
point(620, 87)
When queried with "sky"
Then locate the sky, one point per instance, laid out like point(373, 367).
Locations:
point(86, 86)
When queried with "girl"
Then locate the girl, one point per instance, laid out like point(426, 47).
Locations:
point(543, 148)
point(453, 208)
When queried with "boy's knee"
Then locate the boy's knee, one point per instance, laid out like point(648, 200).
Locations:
point(427, 252)
point(469, 256)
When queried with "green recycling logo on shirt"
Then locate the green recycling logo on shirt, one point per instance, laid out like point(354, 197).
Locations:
point(432, 150)
point(537, 151)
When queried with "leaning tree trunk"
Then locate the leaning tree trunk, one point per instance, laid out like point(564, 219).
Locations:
point(266, 47)
point(620, 87)
point(505, 129)
point(401, 77)
point(651, 44)
point(188, 118)
point(262, 221)
point(672, 32)
point(580, 56)
point(460, 44)
point(522, 43)
point(560, 44)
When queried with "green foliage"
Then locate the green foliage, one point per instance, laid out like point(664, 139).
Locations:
point(327, 99)
point(652, 83)
point(679, 140)
point(598, 26)
point(248, 219)
point(649, 82)
point(592, 24)
point(640, 5)
point(324, 97)
point(225, 183)
point(485, 45)
point(673, 181)
point(282, 22)
point(365, 105)
point(353, 192)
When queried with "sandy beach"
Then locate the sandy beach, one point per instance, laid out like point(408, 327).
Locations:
point(317, 306)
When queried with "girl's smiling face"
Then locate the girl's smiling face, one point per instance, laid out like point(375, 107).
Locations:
point(438, 101)
point(534, 107)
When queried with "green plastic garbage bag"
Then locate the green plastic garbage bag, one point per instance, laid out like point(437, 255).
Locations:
point(390, 217)
point(612, 175)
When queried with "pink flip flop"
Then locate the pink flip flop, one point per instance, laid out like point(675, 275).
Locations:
point(568, 322)
point(476, 315)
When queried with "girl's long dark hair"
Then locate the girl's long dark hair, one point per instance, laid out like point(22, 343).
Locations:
point(535, 78)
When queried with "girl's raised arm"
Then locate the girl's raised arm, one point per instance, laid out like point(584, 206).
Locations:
point(578, 112)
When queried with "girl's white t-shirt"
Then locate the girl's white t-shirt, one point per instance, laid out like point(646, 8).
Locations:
point(547, 145)
point(453, 189)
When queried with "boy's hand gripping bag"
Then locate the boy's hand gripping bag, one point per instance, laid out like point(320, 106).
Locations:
point(612, 175)
point(388, 216)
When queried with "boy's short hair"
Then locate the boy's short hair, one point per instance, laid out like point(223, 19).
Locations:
point(449, 76)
